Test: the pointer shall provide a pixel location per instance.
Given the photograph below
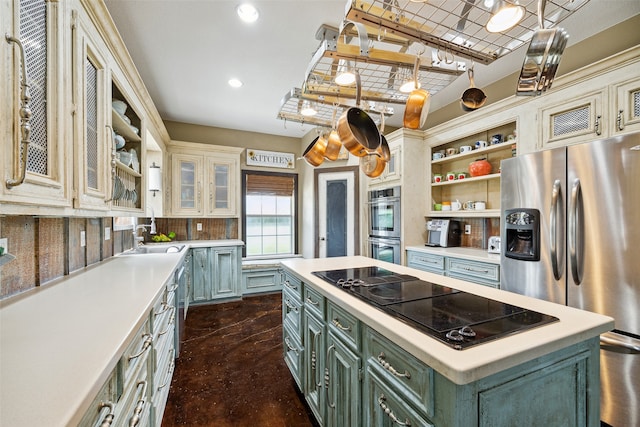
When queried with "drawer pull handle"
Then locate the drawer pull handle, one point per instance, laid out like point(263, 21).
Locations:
point(146, 345)
point(312, 302)
point(172, 319)
point(108, 419)
point(290, 306)
point(135, 418)
point(619, 120)
point(169, 373)
point(165, 307)
point(597, 125)
point(390, 414)
point(173, 288)
point(290, 286)
point(337, 323)
point(289, 346)
point(475, 270)
point(386, 365)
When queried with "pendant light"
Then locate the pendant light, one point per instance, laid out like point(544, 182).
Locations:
point(308, 109)
point(345, 75)
point(504, 15)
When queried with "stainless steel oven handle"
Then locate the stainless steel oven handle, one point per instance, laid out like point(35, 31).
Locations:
point(384, 241)
point(383, 200)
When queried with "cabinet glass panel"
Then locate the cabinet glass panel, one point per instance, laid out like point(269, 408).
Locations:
point(187, 185)
point(222, 186)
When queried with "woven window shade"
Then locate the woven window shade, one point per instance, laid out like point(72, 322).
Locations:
point(278, 185)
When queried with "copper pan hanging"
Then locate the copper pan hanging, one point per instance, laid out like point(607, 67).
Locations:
point(418, 102)
point(357, 130)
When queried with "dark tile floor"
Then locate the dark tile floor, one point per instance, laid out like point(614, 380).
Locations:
point(231, 370)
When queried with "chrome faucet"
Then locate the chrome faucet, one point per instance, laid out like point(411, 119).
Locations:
point(152, 229)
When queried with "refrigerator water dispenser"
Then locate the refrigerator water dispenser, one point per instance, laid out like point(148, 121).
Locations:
point(522, 229)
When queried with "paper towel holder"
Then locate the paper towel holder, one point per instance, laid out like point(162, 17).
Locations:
point(155, 179)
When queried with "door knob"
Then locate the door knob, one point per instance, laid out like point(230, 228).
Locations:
point(323, 239)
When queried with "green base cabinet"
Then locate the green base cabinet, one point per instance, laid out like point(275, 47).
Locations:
point(371, 381)
point(259, 280)
point(482, 273)
point(215, 273)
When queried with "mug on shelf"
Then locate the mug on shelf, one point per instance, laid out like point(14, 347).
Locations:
point(437, 178)
point(462, 175)
point(451, 176)
point(451, 151)
point(496, 139)
point(437, 156)
point(468, 206)
point(480, 144)
point(446, 206)
point(466, 148)
point(479, 206)
point(456, 206)
point(437, 206)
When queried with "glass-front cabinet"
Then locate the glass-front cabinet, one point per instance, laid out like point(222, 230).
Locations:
point(204, 180)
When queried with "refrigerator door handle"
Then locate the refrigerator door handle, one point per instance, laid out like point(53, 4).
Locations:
point(553, 228)
point(629, 346)
point(573, 231)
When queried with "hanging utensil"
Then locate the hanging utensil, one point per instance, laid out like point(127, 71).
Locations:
point(418, 102)
point(314, 154)
point(358, 132)
point(373, 164)
point(472, 98)
point(542, 58)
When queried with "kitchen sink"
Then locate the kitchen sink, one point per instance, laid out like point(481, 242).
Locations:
point(154, 249)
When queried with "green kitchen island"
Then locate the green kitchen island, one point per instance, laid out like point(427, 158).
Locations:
point(358, 366)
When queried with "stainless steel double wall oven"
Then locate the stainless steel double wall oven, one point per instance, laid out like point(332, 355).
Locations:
point(384, 224)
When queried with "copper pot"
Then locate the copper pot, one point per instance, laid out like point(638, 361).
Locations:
point(358, 132)
point(314, 154)
point(373, 164)
point(472, 98)
point(333, 146)
point(417, 107)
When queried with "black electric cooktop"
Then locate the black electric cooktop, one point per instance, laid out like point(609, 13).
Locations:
point(458, 319)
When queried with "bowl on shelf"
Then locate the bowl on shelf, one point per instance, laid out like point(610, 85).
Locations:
point(480, 167)
point(118, 140)
point(119, 106)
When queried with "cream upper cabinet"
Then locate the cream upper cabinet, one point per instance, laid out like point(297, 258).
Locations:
point(205, 180)
point(33, 161)
point(625, 103)
point(393, 169)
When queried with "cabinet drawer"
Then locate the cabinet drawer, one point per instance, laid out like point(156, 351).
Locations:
point(161, 384)
point(426, 262)
point(387, 406)
point(135, 402)
point(481, 270)
point(412, 378)
point(163, 315)
point(137, 352)
point(260, 280)
point(313, 302)
point(293, 354)
point(292, 312)
point(344, 325)
point(102, 406)
point(293, 285)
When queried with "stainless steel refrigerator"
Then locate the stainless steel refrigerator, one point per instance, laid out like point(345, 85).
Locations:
point(570, 227)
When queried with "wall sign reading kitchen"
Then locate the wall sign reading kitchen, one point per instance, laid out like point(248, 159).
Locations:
point(271, 159)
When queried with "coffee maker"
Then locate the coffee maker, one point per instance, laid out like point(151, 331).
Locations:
point(522, 230)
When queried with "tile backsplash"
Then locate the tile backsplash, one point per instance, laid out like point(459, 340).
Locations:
point(49, 248)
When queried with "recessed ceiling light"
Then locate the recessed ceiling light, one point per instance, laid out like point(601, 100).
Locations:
point(235, 83)
point(247, 12)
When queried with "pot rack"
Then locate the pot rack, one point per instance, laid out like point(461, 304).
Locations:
point(375, 38)
point(291, 104)
point(459, 26)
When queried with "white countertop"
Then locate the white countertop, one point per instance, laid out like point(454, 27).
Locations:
point(473, 254)
point(60, 342)
point(474, 363)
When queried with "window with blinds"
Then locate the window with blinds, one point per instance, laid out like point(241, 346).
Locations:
point(269, 213)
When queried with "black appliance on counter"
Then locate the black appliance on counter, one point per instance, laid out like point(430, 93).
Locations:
point(445, 233)
point(456, 318)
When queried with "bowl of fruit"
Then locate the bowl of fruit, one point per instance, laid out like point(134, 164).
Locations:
point(164, 237)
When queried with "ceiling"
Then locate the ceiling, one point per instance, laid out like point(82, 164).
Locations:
point(187, 50)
